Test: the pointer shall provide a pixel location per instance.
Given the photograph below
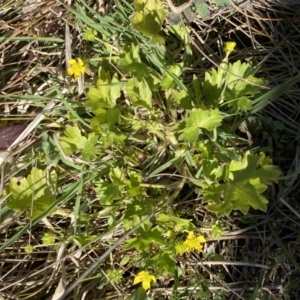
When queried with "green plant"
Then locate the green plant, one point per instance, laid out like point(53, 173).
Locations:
point(143, 137)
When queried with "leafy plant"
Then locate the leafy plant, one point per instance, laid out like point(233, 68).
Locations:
point(143, 142)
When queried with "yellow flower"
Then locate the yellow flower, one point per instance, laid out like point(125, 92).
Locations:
point(192, 243)
point(76, 67)
point(145, 278)
point(48, 238)
point(229, 47)
point(89, 34)
point(28, 249)
point(267, 160)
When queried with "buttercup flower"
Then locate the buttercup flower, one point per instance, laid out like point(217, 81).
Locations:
point(229, 47)
point(145, 278)
point(28, 249)
point(192, 243)
point(76, 67)
point(267, 160)
point(89, 34)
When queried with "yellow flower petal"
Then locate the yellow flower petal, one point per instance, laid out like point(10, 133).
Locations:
point(82, 69)
point(201, 239)
point(153, 278)
point(146, 285)
point(70, 71)
point(137, 279)
point(72, 62)
point(191, 235)
point(80, 62)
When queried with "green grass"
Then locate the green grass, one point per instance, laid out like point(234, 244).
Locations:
point(145, 148)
